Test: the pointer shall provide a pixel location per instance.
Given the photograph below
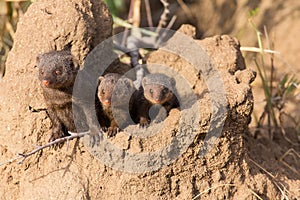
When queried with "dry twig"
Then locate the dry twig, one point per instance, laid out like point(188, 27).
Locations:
point(129, 18)
point(148, 12)
point(164, 15)
point(23, 156)
point(136, 14)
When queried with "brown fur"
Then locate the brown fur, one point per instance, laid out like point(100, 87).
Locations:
point(57, 73)
point(156, 89)
point(106, 89)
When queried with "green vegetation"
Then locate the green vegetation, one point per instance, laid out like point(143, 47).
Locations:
point(277, 93)
point(115, 6)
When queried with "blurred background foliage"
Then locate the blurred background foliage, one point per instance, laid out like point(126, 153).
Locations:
point(116, 6)
point(10, 12)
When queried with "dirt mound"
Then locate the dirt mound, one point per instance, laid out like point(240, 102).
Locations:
point(47, 25)
point(224, 172)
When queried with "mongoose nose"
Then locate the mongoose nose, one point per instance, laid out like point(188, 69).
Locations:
point(106, 102)
point(157, 100)
point(45, 82)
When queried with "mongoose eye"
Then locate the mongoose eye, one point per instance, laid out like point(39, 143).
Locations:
point(165, 91)
point(102, 91)
point(58, 72)
point(151, 91)
point(42, 72)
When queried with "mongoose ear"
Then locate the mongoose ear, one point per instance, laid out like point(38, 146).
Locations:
point(101, 78)
point(144, 81)
point(173, 82)
point(74, 63)
point(38, 58)
point(67, 47)
point(129, 83)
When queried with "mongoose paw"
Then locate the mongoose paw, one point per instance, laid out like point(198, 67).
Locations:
point(95, 136)
point(104, 129)
point(144, 122)
point(112, 131)
point(95, 139)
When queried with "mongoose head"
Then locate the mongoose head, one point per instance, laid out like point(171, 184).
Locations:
point(57, 69)
point(158, 88)
point(108, 89)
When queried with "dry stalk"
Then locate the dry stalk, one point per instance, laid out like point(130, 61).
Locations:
point(164, 16)
point(23, 156)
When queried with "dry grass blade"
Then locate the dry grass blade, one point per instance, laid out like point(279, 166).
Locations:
point(172, 21)
point(283, 190)
point(295, 156)
point(125, 35)
point(136, 14)
point(258, 50)
point(136, 18)
point(125, 24)
point(164, 15)
point(148, 12)
point(282, 113)
point(10, 29)
point(231, 185)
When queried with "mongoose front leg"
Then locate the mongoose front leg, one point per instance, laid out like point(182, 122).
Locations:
point(57, 127)
point(113, 129)
point(144, 121)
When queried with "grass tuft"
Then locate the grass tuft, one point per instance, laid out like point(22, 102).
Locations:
point(277, 93)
